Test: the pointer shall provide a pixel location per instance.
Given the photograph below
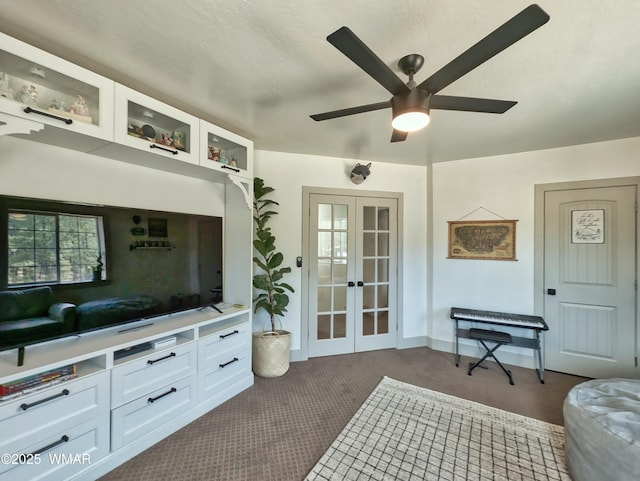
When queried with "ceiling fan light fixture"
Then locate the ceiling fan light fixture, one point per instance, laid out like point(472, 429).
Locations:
point(410, 110)
point(411, 121)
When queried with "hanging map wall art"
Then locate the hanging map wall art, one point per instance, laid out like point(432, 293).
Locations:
point(482, 239)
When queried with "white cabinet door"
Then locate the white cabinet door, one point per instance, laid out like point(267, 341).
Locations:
point(152, 126)
point(39, 86)
point(225, 151)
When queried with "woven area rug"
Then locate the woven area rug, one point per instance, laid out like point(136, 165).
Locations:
point(406, 432)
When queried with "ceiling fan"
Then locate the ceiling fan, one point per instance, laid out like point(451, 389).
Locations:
point(411, 102)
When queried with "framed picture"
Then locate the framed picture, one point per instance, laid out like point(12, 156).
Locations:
point(157, 227)
point(483, 239)
point(587, 226)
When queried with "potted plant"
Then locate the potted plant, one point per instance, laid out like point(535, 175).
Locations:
point(270, 347)
point(97, 269)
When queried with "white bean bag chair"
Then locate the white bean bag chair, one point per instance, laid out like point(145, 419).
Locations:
point(602, 430)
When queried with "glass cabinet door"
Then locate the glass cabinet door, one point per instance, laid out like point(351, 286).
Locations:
point(39, 86)
point(150, 125)
point(225, 151)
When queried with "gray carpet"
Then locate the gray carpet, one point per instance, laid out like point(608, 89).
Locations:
point(405, 432)
point(279, 428)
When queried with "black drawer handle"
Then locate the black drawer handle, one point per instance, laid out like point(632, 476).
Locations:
point(25, 406)
point(222, 336)
point(151, 362)
point(235, 359)
point(154, 399)
point(230, 168)
point(62, 440)
point(29, 110)
point(155, 146)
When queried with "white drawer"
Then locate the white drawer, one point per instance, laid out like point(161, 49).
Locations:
point(145, 414)
point(141, 376)
point(29, 419)
point(230, 340)
point(223, 374)
point(58, 456)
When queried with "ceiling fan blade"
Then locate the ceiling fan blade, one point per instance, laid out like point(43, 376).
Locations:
point(504, 36)
point(350, 111)
point(399, 136)
point(354, 48)
point(470, 104)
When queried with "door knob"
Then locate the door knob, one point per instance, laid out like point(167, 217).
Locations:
point(351, 283)
point(551, 292)
point(360, 283)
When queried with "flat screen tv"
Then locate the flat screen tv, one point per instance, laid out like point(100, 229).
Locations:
point(71, 268)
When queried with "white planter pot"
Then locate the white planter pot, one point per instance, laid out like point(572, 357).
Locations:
point(271, 351)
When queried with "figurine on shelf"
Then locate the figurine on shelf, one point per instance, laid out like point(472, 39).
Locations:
point(214, 153)
point(24, 95)
point(234, 162)
point(5, 91)
point(79, 107)
point(167, 139)
point(34, 96)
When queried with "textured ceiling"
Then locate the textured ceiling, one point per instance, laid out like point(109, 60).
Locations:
point(259, 68)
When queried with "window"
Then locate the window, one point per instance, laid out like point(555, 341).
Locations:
point(53, 247)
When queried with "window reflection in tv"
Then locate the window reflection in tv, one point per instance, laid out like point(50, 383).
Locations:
point(71, 268)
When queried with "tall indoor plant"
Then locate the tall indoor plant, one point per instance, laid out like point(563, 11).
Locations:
point(270, 347)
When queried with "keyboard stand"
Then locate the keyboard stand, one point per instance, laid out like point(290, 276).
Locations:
point(497, 337)
point(534, 342)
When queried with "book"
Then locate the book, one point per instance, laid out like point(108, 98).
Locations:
point(36, 380)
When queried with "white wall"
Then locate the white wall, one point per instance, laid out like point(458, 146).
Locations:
point(31, 169)
point(505, 185)
point(287, 173)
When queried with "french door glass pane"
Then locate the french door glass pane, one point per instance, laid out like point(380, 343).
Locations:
point(383, 218)
point(383, 296)
point(324, 299)
point(340, 271)
point(369, 270)
point(383, 244)
point(368, 323)
point(324, 216)
point(340, 298)
point(369, 218)
point(383, 322)
point(324, 326)
point(324, 244)
point(383, 270)
point(369, 244)
point(340, 244)
point(340, 217)
point(324, 272)
point(339, 326)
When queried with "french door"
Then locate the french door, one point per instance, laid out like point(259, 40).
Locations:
point(352, 293)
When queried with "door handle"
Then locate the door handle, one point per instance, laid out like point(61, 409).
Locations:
point(351, 284)
point(551, 292)
point(360, 283)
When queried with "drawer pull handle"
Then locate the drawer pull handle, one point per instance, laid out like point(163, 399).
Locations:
point(151, 362)
point(25, 406)
point(224, 166)
point(222, 336)
point(235, 359)
point(62, 440)
point(155, 146)
point(29, 110)
point(154, 399)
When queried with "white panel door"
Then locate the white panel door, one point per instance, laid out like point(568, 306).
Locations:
point(590, 279)
point(352, 274)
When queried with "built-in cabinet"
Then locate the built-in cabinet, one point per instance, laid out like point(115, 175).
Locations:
point(136, 386)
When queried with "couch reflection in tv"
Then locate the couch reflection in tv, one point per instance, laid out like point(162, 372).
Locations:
point(28, 316)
